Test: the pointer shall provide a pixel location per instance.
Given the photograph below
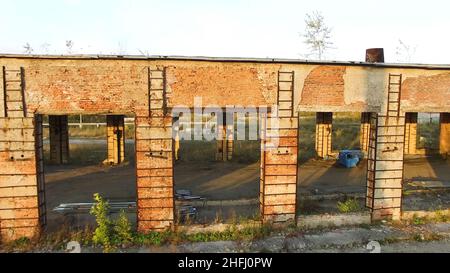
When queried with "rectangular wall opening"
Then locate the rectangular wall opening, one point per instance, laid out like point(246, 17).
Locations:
point(221, 188)
point(326, 183)
point(74, 175)
point(426, 171)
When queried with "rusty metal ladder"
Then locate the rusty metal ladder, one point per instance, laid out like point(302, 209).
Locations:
point(394, 93)
point(13, 97)
point(157, 91)
point(285, 96)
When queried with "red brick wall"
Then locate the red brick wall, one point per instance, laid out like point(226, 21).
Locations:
point(426, 91)
point(93, 89)
point(324, 86)
point(227, 84)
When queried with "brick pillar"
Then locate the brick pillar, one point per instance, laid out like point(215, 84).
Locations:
point(154, 159)
point(22, 204)
point(115, 132)
point(324, 121)
point(364, 132)
point(385, 157)
point(444, 136)
point(59, 139)
point(22, 208)
point(230, 136)
point(279, 150)
point(225, 139)
point(221, 147)
point(410, 133)
point(176, 131)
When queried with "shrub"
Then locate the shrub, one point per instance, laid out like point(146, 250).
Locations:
point(349, 205)
point(103, 232)
point(122, 229)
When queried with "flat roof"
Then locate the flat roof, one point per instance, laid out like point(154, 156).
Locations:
point(225, 59)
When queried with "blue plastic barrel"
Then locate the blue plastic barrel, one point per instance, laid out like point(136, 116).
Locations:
point(349, 158)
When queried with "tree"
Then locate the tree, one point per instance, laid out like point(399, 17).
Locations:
point(45, 47)
point(69, 46)
point(317, 34)
point(144, 53)
point(28, 48)
point(404, 52)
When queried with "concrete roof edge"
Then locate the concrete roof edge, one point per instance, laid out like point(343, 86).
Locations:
point(225, 59)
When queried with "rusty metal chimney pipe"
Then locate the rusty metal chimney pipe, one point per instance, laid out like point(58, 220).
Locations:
point(375, 55)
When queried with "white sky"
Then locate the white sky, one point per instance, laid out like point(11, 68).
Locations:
point(226, 28)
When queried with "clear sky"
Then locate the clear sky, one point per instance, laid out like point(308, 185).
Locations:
point(225, 28)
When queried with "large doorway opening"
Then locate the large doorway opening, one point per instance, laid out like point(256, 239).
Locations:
point(332, 167)
point(426, 171)
point(74, 174)
point(217, 180)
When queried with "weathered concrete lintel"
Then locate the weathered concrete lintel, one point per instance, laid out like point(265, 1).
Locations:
point(221, 59)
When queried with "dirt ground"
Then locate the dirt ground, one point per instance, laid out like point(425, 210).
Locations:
point(236, 181)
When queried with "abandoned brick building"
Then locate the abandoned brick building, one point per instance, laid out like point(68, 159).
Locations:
point(388, 96)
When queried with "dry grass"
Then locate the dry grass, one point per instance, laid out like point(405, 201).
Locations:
point(92, 132)
point(90, 154)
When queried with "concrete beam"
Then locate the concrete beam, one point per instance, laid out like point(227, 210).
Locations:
point(59, 139)
point(115, 131)
point(324, 121)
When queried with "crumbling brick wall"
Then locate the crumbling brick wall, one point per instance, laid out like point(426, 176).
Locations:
point(121, 86)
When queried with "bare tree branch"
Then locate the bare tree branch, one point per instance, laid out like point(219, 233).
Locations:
point(404, 52)
point(317, 34)
point(28, 49)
